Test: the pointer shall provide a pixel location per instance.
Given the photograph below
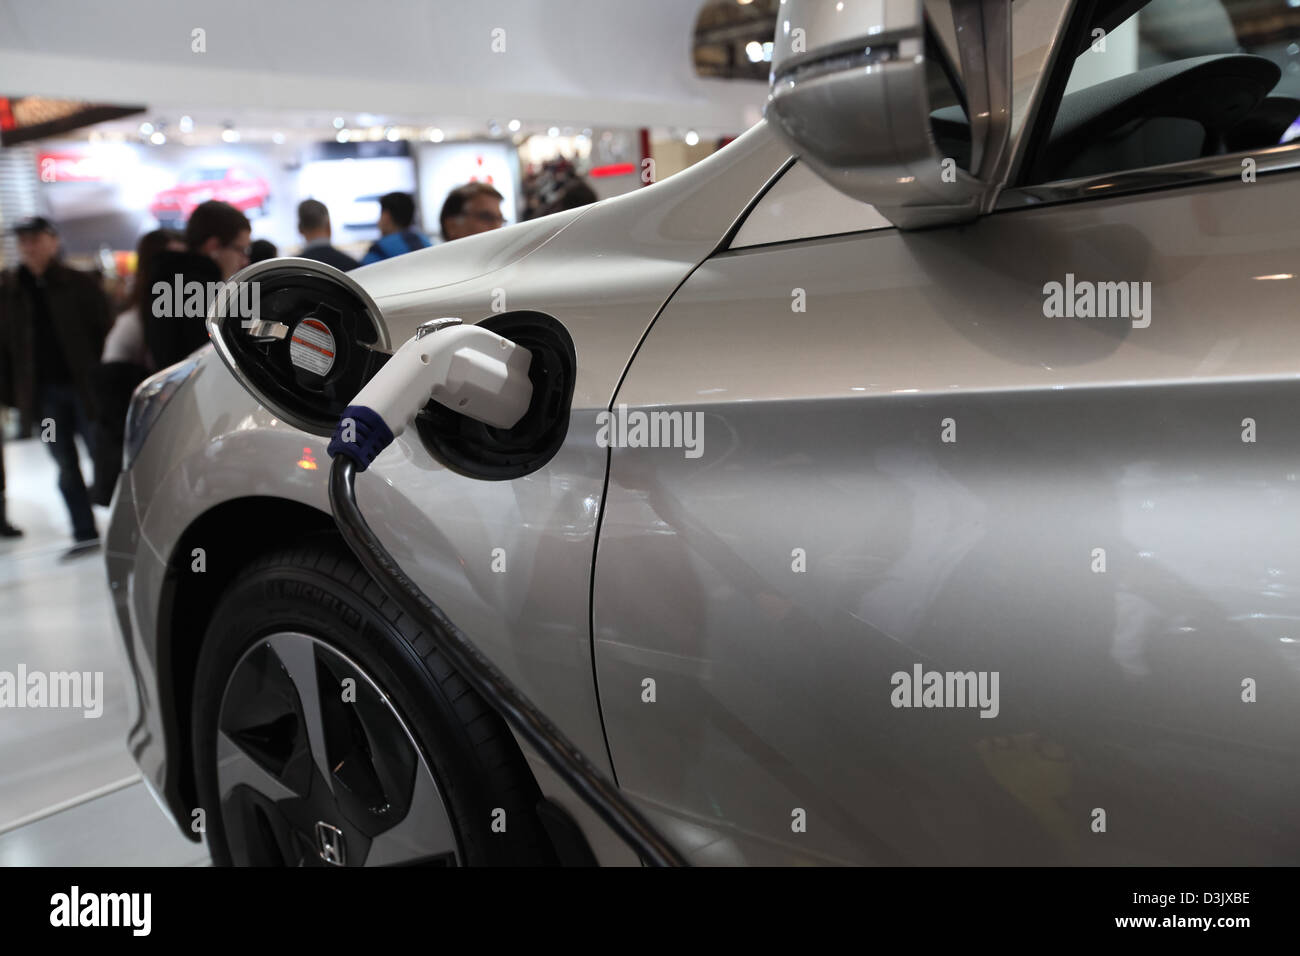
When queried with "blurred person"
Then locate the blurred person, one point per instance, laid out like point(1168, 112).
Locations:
point(469, 210)
point(217, 237)
point(544, 184)
point(574, 193)
point(314, 226)
point(397, 235)
point(125, 363)
point(53, 320)
point(125, 341)
point(6, 529)
point(261, 250)
point(6, 400)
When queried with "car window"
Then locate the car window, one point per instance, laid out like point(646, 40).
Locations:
point(1173, 80)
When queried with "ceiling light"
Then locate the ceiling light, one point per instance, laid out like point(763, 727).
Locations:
point(514, 126)
point(691, 137)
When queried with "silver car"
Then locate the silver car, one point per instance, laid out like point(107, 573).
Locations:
point(913, 484)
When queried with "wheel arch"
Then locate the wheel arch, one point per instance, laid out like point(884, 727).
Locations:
point(231, 534)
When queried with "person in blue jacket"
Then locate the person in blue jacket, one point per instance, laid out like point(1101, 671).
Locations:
point(397, 235)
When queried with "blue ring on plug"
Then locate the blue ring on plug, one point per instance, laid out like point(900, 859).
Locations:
point(371, 432)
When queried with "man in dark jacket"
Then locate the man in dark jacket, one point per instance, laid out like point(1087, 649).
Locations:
point(314, 224)
point(53, 320)
point(216, 238)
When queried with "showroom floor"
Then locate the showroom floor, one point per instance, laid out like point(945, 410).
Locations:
point(69, 791)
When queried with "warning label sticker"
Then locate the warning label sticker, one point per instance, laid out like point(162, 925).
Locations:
point(312, 346)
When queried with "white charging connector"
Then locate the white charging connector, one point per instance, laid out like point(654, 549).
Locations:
point(465, 367)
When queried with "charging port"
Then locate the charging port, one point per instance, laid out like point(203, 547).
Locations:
point(480, 451)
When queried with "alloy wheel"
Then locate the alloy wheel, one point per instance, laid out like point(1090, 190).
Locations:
point(315, 767)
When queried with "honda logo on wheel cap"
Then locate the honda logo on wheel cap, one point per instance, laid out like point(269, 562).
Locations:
point(330, 841)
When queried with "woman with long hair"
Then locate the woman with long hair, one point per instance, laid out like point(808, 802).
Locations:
point(125, 363)
point(125, 342)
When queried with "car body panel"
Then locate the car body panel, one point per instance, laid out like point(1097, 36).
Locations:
point(802, 205)
point(1120, 690)
point(606, 274)
point(213, 444)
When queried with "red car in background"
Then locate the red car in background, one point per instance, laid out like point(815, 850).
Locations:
point(240, 187)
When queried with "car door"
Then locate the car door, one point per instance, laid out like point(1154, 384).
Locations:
point(934, 567)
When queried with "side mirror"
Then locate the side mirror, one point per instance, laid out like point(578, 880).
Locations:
point(851, 95)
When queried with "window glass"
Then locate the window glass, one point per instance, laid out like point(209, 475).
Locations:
point(1035, 25)
point(1175, 80)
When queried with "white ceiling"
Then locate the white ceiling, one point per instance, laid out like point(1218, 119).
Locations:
point(585, 62)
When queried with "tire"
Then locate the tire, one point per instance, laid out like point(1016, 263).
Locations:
point(424, 765)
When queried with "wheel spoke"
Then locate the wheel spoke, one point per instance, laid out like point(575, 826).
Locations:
point(236, 768)
point(424, 832)
point(298, 655)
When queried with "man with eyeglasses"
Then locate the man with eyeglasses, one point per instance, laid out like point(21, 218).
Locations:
point(396, 234)
point(217, 237)
point(469, 210)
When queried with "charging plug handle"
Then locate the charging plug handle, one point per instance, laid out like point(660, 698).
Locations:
point(467, 368)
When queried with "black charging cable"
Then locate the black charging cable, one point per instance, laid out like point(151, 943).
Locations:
point(516, 709)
